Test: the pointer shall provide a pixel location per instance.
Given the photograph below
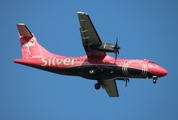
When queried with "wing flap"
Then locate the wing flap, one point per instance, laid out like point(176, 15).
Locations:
point(23, 30)
point(111, 88)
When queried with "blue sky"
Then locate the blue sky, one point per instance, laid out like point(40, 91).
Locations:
point(146, 30)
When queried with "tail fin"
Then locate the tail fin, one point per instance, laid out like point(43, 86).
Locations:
point(29, 44)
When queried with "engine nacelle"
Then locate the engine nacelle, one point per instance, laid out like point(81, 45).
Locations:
point(105, 47)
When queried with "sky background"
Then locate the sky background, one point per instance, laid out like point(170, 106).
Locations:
point(146, 30)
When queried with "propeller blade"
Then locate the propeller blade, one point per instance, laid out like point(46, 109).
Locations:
point(116, 45)
point(116, 49)
point(115, 56)
point(117, 41)
point(126, 82)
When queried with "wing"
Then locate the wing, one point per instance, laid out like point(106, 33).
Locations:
point(89, 35)
point(111, 88)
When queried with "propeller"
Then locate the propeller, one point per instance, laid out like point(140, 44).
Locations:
point(116, 49)
point(126, 82)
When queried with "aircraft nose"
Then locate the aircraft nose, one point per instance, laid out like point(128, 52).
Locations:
point(158, 71)
point(162, 72)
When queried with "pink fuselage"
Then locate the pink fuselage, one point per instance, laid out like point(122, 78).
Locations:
point(107, 66)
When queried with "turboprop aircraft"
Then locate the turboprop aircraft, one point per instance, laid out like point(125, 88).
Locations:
point(95, 65)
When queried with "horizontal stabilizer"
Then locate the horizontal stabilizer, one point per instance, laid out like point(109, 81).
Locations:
point(23, 30)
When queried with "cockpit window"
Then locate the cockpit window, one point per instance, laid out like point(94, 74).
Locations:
point(152, 62)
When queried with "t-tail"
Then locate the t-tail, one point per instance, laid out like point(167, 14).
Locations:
point(29, 45)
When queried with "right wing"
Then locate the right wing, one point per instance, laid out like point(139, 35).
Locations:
point(89, 35)
point(111, 88)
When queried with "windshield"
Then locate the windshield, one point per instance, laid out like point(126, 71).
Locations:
point(152, 62)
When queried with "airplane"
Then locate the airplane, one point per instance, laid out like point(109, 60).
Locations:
point(95, 65)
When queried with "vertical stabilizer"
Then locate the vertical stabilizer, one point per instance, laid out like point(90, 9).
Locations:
point(29, 44)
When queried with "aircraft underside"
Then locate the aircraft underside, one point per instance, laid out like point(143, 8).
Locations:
point(99, 72)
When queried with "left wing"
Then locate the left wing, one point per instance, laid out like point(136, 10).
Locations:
point(111, 88)
point(89, 35)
